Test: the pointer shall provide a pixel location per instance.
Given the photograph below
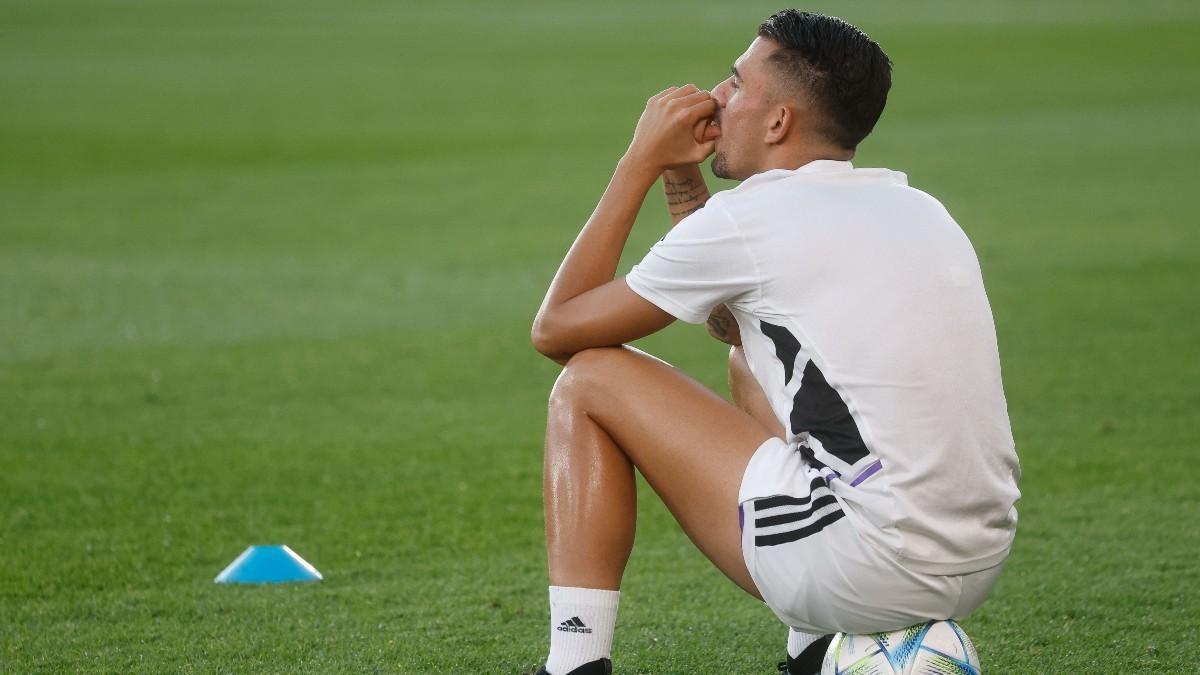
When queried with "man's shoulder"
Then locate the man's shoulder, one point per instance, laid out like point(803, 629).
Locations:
point(812, 179)
point(797, 192)
point(788, 204)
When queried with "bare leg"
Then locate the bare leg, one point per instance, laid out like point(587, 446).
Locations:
point(748, 395)
point(616, 408)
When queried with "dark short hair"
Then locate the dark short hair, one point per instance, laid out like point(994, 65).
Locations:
point(843, 70)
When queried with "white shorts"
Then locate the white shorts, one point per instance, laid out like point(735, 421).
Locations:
point(816, 570)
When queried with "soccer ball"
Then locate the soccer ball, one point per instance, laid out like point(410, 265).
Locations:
point(933, 648)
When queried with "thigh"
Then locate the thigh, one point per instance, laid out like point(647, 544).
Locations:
point(691, 445)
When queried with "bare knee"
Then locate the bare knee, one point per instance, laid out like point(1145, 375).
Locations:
point(585, 374)
point(577, 397)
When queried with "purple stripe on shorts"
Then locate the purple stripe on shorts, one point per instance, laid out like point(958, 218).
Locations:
point(741, 518)
point(867, 473)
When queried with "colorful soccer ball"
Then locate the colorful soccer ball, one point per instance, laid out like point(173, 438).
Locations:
point(933, 648)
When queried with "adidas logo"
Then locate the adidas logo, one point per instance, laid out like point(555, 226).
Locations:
point(573, 625)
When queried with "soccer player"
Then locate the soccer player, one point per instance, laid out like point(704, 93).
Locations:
point(866, 478)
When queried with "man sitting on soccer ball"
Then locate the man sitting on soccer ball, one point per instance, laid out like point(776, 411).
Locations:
point(866, 478)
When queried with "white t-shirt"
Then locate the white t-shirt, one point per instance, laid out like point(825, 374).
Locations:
point(864, 319)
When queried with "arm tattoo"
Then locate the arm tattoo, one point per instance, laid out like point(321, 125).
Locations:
point(718, 326)
point(684, 197)
point(722, 326)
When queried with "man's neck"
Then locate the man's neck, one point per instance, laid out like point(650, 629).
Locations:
point(794, 157)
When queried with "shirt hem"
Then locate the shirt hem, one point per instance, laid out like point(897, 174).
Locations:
point(665, 304)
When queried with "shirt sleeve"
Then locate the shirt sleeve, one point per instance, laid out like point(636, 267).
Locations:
point(703, 261)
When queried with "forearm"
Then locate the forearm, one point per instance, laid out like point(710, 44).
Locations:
point(585, 306)
point(685, 191)
point(593, 258)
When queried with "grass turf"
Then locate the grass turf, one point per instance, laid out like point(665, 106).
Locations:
point(267, 269)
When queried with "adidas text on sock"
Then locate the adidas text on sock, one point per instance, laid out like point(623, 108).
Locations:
point(581, 626)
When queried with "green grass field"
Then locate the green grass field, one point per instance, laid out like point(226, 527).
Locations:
point(267, 272)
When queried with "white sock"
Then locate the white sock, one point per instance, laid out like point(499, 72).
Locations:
point(581, 626)
point(798, 641)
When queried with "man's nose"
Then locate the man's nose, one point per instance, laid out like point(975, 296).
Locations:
point(720, 92)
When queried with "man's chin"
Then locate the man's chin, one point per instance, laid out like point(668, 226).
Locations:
point(719, 166)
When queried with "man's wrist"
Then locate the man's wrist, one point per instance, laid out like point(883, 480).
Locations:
point(638, 168)
point(686, 171)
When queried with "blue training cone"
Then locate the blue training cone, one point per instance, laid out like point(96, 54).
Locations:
point(268, 565)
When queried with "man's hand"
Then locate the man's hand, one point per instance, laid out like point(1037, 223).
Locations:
point(674, 130)
point(723, 326)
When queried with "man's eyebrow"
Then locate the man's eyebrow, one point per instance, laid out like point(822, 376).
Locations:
point(735, 72)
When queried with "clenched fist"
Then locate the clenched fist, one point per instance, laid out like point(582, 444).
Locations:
point(674, 129)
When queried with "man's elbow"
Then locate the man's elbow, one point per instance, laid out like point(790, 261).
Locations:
point(547, 340)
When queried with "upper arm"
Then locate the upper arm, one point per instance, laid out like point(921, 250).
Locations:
point(703, 262)
point(608, 315)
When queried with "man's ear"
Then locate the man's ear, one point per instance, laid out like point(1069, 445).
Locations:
point(779, 124)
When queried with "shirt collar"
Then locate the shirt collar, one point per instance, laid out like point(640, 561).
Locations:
point(826, 166)
point(815, 167)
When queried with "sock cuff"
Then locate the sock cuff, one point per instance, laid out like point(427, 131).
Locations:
point(798, 641)
point(589, 597)
point(581, 626)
